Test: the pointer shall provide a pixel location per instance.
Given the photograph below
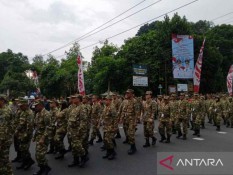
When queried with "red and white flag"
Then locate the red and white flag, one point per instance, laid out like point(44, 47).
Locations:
point(197, 70)
point(229, 80)
point(81, 87)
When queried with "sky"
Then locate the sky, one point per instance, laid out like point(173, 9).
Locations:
point(37, 27)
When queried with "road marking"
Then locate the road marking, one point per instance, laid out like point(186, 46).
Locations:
point(222, 132)
point(198, 138)
point(120, 127)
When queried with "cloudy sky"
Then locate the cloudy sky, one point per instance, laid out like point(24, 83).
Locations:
point(40, 26)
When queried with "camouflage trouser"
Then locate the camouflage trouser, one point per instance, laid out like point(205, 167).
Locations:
point(197, 121)
point(52, 134)
point(125, 127)
point(108, 139)
point(203, 118)
point(95, 130)
point(24, 148)
point(165, 127)
point(184, 122)
point(85, 140)
point(77, 145)
point(5, 166)
point(16, 143)
point(41, 150)
point(218, 119)
point(59, 141)
point(148, 129)
point(131, 130)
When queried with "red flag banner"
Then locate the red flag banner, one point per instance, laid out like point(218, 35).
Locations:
point(81, 87)
point(229, 80)
point(197, 70)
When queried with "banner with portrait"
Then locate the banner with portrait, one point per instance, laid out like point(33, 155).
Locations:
point(182, 56)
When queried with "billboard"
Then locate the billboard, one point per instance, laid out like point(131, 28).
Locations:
point(182, 87)
point(182, 56)
point(140, 81)
point(139, 69)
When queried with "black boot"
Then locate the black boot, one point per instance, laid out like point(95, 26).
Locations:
point(191, 125)
point(132, 150)
point(202, 126)
point(69, 148)
point(41, 170)
point(18, 158)
point(126, 141)
point(168, 138)
point(198, 133)
point(184, 137)
point(51, 150)
point(179, 134)
point(75, 162)
point(228, 124)
point(112, 154)
point(173, 130)
point(29, 163)
point(107, 154)
point(154, 140)
point(218, 128)
point(61, 154)
point(91, 142)
point(103, 148)
point(195, 132)
point(83, 161)
point(47, 169)
point(118, 135)
point(22, 165)
point(147, 144)
point(100, 139)
point(114, 142)
point(162, 138)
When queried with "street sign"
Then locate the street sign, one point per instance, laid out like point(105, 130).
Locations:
point(139, 69)
point(182, 87)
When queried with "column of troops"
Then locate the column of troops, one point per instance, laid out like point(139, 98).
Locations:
point(81, 117)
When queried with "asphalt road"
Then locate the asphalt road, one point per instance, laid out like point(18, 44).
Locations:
point(144, 161)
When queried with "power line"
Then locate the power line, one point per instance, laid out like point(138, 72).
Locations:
point(137, 25)
point(142, 23)
point(221, 16)
point(90, 33)
point(96, 28)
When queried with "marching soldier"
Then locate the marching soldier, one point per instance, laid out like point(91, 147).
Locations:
point(53, 104)
point(165, 128)
point(148, 111)
point(116, 102)
point(109, 117)
point(196, 110)
point(217, 112)
point(61, 130)
point(95, 117)
point(182, 117)
point(24, 132)
point(130, 114)
point(41, 137)
point(6, 133)
point(77, 128)
point(123, 119)
point(174, 112)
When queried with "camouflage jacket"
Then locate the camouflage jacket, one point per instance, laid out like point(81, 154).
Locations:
point(61, 124)
point(42, 124)
point(96, 111)
point(149, 109)
point(25, 126)
point(164, 111)
point(6, 123)
point(109, 118)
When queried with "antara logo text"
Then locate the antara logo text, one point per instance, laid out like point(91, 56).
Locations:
point(167, 162)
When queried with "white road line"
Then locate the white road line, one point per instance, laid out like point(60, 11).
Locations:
point(222, 132)
point(198, 138)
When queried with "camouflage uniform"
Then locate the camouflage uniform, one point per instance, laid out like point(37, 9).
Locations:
point(52, 129)
point(42, 126)
point(174, 113)
point(6, 132)
point(149, 109)
point(217, 113)
point(77, 128)
point(109, 117)
point(95, 117)
point(116, 102)
point(195, 118)
point(85, 141)
point(182, 118)
point(24, 132)
point(61, 130)
point(122, 112)
point(165, 121)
